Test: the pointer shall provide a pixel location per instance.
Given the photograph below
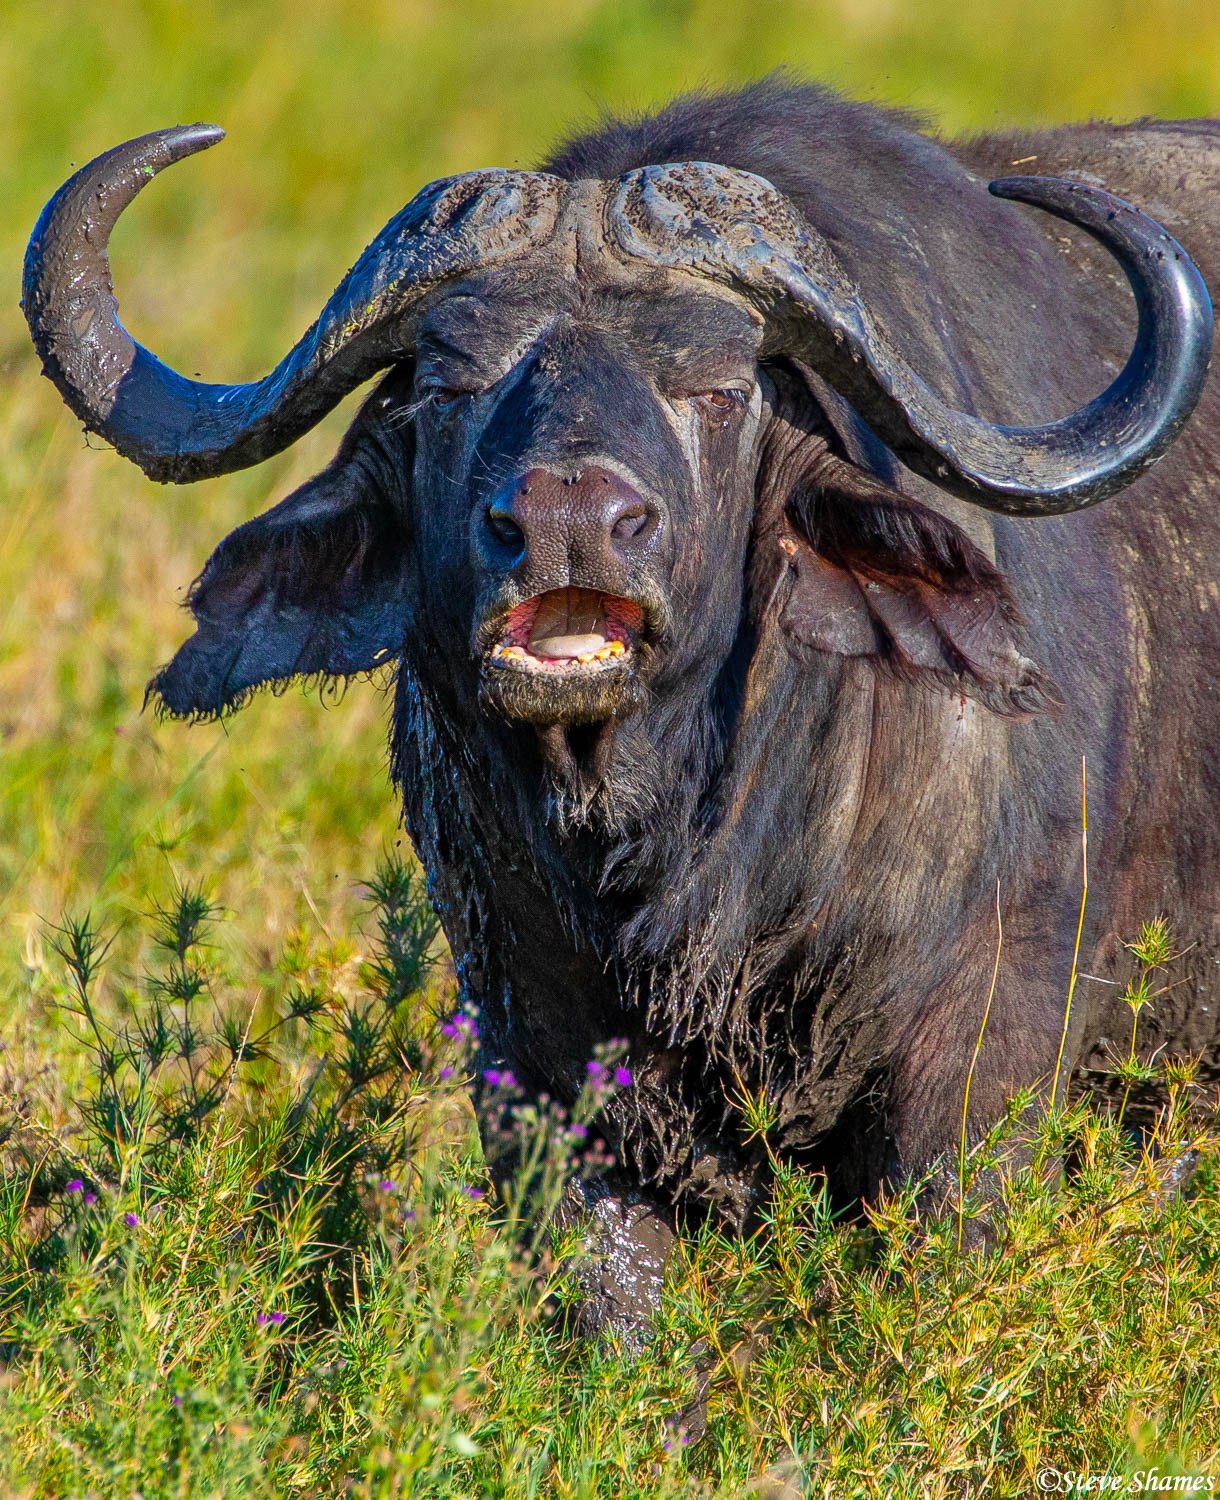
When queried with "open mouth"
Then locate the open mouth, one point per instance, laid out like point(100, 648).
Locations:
point(568, 632)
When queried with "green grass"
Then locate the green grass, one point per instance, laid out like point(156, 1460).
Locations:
point(884, 1364)
point(266, 1260)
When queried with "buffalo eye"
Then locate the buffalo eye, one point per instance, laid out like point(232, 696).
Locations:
point(443, 398)
point(720, 405)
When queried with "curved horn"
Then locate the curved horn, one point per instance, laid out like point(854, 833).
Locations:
point(736, 227)
point(178, 429)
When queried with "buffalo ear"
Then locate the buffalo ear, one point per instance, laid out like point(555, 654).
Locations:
point(315, 587)
point(877, 575)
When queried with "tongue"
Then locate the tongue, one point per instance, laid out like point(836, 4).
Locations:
point(569, 622)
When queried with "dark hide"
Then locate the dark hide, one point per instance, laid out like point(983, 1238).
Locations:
point(861, 706)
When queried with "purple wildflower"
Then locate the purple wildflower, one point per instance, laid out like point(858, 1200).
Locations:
point(595, 1069)
point(90, 1197)
point(507, 1080)
point(579, 1132)
point(261, 1319)
point(492, 1076)
point(446, 1073)
point(386, 1185)
point(449, 1029)
point(175, 1400)
point(130, 1219)
point(408, 1214)
point(622, 1076)
point(473, 1192)
point(75, 1185)
point(277, 1317)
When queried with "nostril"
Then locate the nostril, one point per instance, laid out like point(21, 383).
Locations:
point(633, 523)
point(504, 530)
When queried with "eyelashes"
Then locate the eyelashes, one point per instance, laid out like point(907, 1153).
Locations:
point(720, 406)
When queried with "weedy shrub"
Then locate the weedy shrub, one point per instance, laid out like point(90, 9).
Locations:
point(268, 1260)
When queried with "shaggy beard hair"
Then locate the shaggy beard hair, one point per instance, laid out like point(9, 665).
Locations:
point(614, 802)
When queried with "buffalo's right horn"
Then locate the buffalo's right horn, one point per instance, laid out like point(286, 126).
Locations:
point(735, 227)
point(178, 429)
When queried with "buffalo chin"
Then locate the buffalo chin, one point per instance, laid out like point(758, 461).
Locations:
point(566, 701)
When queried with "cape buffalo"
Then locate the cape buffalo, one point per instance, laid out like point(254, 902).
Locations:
point(740, 654)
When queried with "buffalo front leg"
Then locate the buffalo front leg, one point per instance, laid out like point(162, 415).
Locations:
point(627, 1238)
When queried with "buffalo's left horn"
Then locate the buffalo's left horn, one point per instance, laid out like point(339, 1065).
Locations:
point(735, 227)
point(178, 429)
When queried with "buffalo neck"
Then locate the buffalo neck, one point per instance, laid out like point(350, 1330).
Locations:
point(708, 833)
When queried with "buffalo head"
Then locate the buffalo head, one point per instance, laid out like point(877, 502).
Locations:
point(548, 501)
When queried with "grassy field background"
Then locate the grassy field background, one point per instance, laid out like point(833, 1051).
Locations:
point(337, 113)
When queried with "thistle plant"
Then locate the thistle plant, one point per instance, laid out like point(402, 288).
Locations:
point(1153, 949)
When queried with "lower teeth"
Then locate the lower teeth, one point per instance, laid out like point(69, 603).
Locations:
point(608, 649)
